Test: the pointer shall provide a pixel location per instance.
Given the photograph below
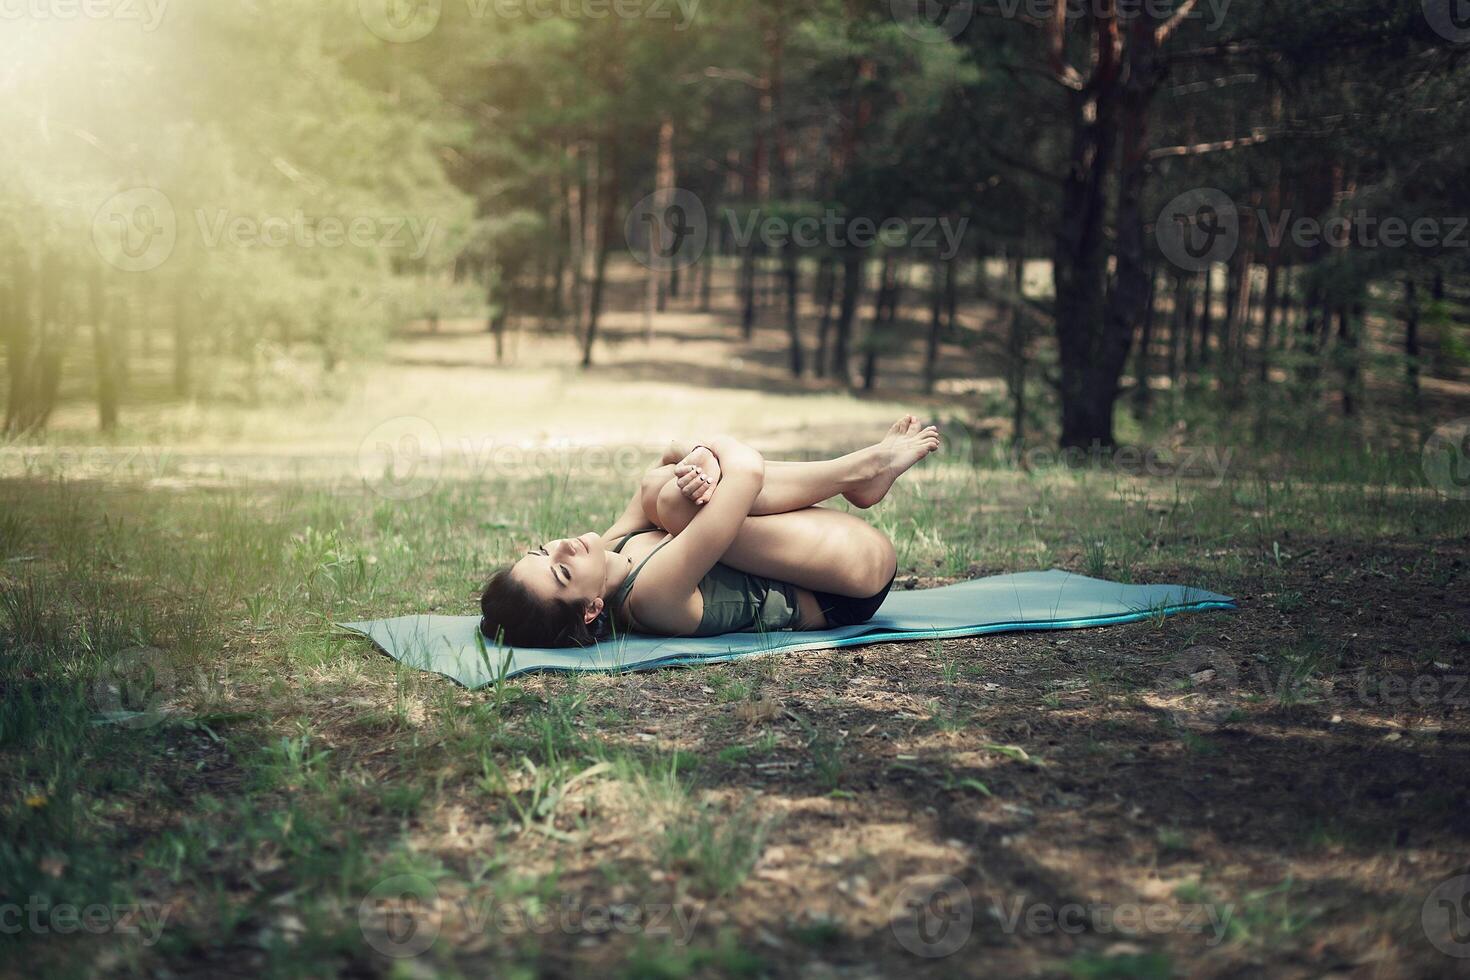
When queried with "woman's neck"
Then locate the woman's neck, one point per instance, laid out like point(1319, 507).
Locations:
point(619, 567)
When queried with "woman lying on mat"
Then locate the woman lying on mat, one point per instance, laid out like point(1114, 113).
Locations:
point(759, 555)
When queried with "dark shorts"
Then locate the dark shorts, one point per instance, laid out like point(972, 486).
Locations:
point(843, 610)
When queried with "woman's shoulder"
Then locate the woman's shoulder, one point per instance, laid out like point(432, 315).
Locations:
point(653, 611)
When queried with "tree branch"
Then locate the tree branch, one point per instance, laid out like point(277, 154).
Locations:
point(1210, 52)
point(1194, 88)
point(1199, 149)
point(1056, 49)
point(1074, 84)
point(1167, 28)
point(735, 75)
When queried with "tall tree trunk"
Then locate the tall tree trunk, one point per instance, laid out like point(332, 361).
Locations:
point(1268, 312)
point(607, 227)
point(707, 263)
point(20, 353)
point(539, 304)
point(183, 361)
point(1347, 338)
point(1092, 342)
point(852, 290)
point(951, 294)
point(51, 351)
point(982, 277)
point(1206, 314)
point(558, 308)
point(1191, 317)
point(880, 327)
point(1179, 329)
point(792, 274)
point(1437, 304)
point(938, 271)
point(1016, 352)
point(826, 296)
point(592, 213)
point(1238, 318)
point(774, 114)
point(1234, 276)
point(497, 326)
point(747, 290)
point(1286, 309)
point(576, 227)
point(1269, 300)
point(1130, 304)
point(1314, 315)
point(664, 188)
point(102, 353)
point(1143, 362)
point(1411, 337)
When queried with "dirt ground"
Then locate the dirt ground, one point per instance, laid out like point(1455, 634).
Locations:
point(1263, 819)
point(1279, 790)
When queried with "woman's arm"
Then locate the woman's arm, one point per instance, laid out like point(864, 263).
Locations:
point(635, 515)
point(697, 467)
point(677, 449)
point(671, 578)
point(641, 511)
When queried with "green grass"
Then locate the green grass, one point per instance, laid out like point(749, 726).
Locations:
point(1128, 966)
point(726, 957)
point(279, 755)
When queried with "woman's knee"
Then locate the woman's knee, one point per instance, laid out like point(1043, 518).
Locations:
point(882, 563)
point(675, 510)
point(653, 482)
point(869, 561)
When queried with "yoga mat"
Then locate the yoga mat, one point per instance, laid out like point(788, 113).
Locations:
point(454, 647)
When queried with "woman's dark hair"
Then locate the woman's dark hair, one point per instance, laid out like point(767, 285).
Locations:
point(527, 620)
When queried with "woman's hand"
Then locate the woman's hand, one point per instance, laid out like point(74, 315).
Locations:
point(698, 474)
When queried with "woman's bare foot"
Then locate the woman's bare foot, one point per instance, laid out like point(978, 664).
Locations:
point(905, 444)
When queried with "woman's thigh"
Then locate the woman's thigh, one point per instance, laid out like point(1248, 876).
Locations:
point(813, 548)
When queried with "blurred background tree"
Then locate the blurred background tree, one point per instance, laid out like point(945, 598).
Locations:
point(174, 191)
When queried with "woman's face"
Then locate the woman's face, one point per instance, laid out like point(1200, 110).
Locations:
point(569, 568)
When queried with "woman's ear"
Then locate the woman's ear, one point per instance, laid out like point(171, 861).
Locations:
point(594, 609)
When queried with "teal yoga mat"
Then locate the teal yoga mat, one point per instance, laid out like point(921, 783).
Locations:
point(1054, 600)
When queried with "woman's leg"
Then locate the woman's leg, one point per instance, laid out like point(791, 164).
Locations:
point(863, 477)
point(813, 548)
point(789, 484)
point(793, 484)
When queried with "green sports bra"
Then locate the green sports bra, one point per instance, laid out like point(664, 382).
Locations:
point(734, 601)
